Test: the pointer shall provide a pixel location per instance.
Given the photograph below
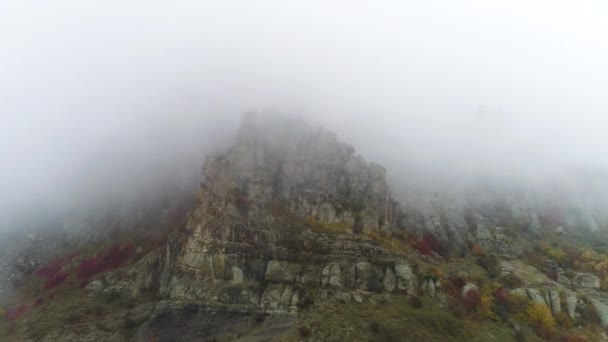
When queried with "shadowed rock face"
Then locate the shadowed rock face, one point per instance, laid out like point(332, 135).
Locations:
point(191, 322)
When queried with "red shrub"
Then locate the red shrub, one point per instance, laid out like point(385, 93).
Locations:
point(17, 311)
point(423, 247)
point(453, 285)
point(574, 338)
point(52, 295)
point(53, 267)
point(472, 300)
point(55, 280)
point(434, 244)
point(502, 303)
point(52, 271)
point(113, 257)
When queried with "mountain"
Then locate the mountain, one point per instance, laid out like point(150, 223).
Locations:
point(293, 237)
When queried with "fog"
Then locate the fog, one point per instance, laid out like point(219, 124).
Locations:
point(99, 97)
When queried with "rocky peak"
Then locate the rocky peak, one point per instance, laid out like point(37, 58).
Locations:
point(306, 168)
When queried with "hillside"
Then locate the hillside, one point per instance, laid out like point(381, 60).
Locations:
point(294, 237)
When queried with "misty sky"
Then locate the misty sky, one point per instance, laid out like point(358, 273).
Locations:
point(91, 89)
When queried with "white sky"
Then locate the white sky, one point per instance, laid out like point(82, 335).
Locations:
point(446, 86)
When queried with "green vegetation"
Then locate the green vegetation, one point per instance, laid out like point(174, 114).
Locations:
point(393, 320)
point(75, 310)
point(540, 318)
point(489, 262)
point(387, 321)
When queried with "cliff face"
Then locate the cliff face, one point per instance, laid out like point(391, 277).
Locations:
point(280, 224)
point(286, 220)
point(307, 170)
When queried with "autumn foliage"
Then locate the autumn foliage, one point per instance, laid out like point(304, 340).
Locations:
point(55, 280)
point(53, 271)
point(428, 244)
point(111, 258)
point(541, 320)
point(472, 300)
point(17, 311)
point(423, 247)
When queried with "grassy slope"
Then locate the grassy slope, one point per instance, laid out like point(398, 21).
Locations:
point(393, 320)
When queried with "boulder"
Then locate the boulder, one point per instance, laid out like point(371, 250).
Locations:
point(586, 280)
point(95, 286)
point(282, 271)
point(331, 275)
point(601, 310)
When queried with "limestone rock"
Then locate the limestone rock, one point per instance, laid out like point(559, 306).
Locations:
point(602, 311)
point(331, 275)
point(273, 296)
point(586, 280)
point(368, 276)
point(95, 286)
point(429, 287)
point(406, 279)
point(571, 303)
point(389, 280)
point(237, 275)
point(553, 298)
point(536, 296)
point(282, 271)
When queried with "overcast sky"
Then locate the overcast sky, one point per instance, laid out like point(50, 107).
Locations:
point(442, 86)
